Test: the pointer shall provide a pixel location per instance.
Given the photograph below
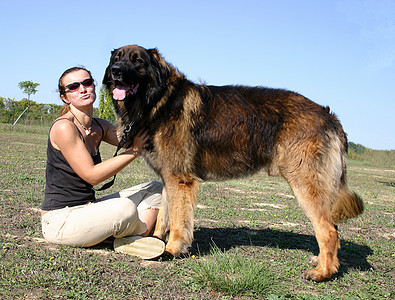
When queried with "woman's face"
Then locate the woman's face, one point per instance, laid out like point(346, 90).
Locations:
point(82, 96)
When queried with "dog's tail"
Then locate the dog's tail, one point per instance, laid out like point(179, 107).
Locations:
point(347, 205)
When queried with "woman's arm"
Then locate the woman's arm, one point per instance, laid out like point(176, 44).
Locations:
point(64, 136)
point(110, 132)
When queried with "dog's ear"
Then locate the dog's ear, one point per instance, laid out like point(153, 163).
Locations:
point(160, 67)
point(107, 73)
point(156, 59)
point(159, 71)
point(155, 55)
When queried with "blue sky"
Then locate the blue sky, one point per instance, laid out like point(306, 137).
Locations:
point(339, 53)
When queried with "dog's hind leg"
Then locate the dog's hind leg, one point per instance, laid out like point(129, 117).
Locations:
point(314, 171)
point(314, 202)
point(162, 222)
point(182, 193)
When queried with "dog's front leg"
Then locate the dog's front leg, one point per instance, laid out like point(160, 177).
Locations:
point(182, 193)
point(162, 222)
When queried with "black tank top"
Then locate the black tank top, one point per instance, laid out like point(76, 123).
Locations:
point(63, 187)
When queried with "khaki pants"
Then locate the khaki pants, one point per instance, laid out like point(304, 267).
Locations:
point(113, 215)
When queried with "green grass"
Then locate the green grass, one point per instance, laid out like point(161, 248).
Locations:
point(252, 241)
point(234, 273)
point(21, 128)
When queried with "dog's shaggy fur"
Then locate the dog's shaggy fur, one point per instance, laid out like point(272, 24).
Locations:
point(201, 132)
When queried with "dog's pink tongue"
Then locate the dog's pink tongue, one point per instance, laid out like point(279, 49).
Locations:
point(119, 93)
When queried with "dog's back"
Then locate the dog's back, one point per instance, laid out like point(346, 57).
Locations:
point(240, 130)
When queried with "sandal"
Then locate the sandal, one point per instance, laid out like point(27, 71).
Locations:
point(142, 247)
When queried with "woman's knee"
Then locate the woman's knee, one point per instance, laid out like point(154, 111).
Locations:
point(124, 209)
point(128, 222)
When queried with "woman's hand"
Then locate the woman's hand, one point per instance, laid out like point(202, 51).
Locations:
point(65, 137)
point(139, 142)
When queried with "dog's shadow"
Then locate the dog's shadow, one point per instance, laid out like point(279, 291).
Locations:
point(351, 255)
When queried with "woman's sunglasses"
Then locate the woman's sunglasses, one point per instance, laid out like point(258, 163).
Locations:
point(72, 87)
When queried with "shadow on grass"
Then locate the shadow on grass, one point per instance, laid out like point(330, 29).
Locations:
point(351, 255)
point(387, 183)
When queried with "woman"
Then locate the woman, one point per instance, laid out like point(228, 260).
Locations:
point(71, 215)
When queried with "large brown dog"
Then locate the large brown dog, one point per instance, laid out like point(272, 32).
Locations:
point(201, 132)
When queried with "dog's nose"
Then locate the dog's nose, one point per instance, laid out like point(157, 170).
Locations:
point(116, 71)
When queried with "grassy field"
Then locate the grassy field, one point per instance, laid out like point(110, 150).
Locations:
point(251, 240)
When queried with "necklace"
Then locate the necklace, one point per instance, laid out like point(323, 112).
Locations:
point(87, 130)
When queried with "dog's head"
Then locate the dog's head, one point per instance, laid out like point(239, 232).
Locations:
point(135, 73)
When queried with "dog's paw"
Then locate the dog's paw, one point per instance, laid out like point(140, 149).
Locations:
point(177, 248)
point(316, 275)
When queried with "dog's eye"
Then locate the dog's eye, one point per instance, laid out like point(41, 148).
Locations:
point(139, 60)
point(116, 59)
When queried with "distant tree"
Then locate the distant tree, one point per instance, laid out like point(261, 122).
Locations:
point(357, 148)
point(106, 108)
point(29, 88)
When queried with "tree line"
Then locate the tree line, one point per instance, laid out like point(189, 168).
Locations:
point(11, 111)
point(45, 114)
